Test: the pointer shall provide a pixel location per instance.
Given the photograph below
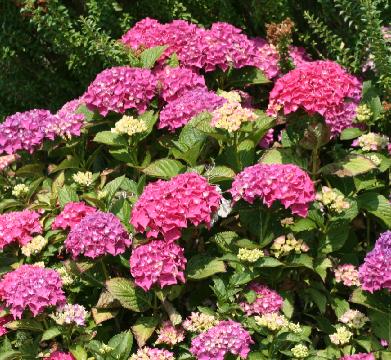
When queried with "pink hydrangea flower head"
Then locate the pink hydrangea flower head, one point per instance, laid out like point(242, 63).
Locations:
point(347, 274)
point(121, 88)
point(360, 356)
point(98, 234)
point(267, 139)
point(267, 57)
point(336, 97)
point(267, 301)
point(3, 321)
point(7, 160)
point(147, 353)
point(375, 272)
point(284, 182)
point(71, 215)
point(59, 355)
point(70, 122)
point(167, 207)
point(170, 335)
point(31, 287)
point(224, 338)
point(180, 111)
point(25, 131)
point(19, 226)
point(174, 82)
point(157, 263)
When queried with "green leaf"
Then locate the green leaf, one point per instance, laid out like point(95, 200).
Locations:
point(352, 165)
point(350, 133)
point(202, 266)
point(340, 306)
point(380, 323)
point(122, 345)
point(303, 225)
point(225, 239)
point(164, 168)
point(78, 352)
point(25, 324)
point(322, 266)
point(283, 156)
point(31, 170)
point(318, 298)
point(336, 236)
point(67, 194)
point(109, 138)
point(377, 205)
point(248, 75)
point(246, 152)
point(143, 329)
point(128, 294)
point(267, 262)
point(150, 56)
point(219, 173)
point(11, 355)
point(112, 187)
point(72, 163)
point(50, 333)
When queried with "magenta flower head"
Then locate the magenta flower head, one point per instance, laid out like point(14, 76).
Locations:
point(157, 263)
point(19, 226)
point(336, 97)
point(284, 182)
point(25, 131)
point(3, 321)
point(71, 215)
point(119, 89)
point(7, 160)
point(174, 82)
point(224, 338)
point(31, 287)
point(267, 301)
point(360, 356)
point(180, 111)
point(167, 207)
point(375, 272)
point(147, 353)
point(59, 355)
point(98, 234)
point(69, 122)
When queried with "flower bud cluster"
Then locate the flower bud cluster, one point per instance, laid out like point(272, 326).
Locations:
point(35, 246)
point(342, 336)
point(284, 245)
point(275, 322)
point(199, 322)
point(83, 178)
point(128, 125)
point(300, 351)
point(71, 314)
point(347, 274)
point(20, 190)
point(250, 255)
point(333, 200)
point(354, 319)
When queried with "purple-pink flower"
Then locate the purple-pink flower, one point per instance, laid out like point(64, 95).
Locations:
point(69, 122)
point(267, 139)
point(3, 321)
point(157, 263)
point(286, 183)
point(7, 160)
point(98, 234)
point(31, 287)
point(174, 82)
point(322, 87)
point(360, 356)
point(167, 207)
point(71, 215)
point(180, 111)
point(26, 131)
point(59, 355)
point(19, 226)
point(375, 272)
point(224, 338)
point(119, 89)
point(147, 353)
point(267, 301)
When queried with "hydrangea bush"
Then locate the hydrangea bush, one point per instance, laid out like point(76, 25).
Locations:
point(227, 198)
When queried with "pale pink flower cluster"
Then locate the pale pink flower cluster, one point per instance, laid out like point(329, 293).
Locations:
point(375, 272)
point(69, 122)
point(268, 57)
point(98, 234)
point(71, 215)
point(321, 87)
point(174, 82)
point(59, 355)
point(19, 226)
point(181, 110)
point(25, 131)
point(119, 89)
point(170, 335)
point(360, 356)
point(157, 263)
point(147, 353)
point(267, 301)
point(224, 338)
point(7, 160)
point(347, 274)
point(284, 182)
point(71, 314)
point(167, 207)
point(31, 287)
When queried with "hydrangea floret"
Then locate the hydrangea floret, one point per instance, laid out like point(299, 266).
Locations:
point(169, 334)
point(31, 287)
point(60, 355)
point(286, 183)
point(157, 263)
point(354, 319)
point(71, 215)
point(7, 160)
point(147, 353)
point(128, 125)
point(332, 199)
point(267, 301)
point(98, 234)
point(199, 322)
point(284, 245)
point(363, 113)
point(371, 142)
point(83, 178)
point(342, 336)
point(300, 351)
point(71, 314)
point(347, 274)
point(250, 255)
point(167, 207)
point(20, 190)
point(360, 356)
